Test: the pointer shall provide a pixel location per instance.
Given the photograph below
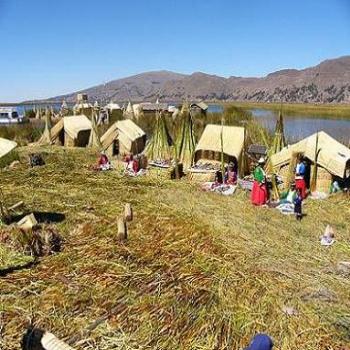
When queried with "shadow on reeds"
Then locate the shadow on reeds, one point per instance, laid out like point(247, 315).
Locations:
point(41, 217)
point(8, 270)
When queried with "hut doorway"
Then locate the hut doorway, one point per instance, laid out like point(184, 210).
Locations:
point(82, 139)
point(307, 176)
point(116, 148)
point(61, 138)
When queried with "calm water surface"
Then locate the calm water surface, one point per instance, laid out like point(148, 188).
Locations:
point(297, 127)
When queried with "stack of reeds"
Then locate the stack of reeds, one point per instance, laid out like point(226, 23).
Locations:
point(186, 141)
point(159, 146)
point(278, 144)
point(279, 140)
point(46, 136)
point(64, 111)
point(38, 113)
point(94, 141)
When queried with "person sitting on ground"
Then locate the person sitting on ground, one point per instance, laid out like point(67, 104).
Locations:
point(231, 175)
point(218, 179)
point(335, 187)
point(300, 172)
point(298, 204)
point(259, 194)
point(288, 196)
point(260, 342)
point(103, 162)
point(132, 165)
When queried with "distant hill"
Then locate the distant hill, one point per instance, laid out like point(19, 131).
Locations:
point(328, 82)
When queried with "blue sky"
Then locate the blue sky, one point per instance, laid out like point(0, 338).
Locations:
point(55, 47)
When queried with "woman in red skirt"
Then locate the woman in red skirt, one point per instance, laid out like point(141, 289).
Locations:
point(259, 191)
point(300, 183)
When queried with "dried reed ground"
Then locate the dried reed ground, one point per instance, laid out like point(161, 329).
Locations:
point(199, 271)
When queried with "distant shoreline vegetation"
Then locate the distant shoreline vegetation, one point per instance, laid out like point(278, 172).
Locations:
point(303, 109)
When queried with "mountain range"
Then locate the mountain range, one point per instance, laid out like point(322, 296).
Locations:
point(328, 82)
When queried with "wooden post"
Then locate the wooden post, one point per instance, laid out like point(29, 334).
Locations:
point(128, 214)
point(122, 229)
point(222, 149)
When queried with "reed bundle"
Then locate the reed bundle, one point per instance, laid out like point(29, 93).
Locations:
point(94, 140)
point(186, 142)
point(159, 146)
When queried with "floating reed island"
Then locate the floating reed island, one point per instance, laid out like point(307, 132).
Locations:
point(153, 263)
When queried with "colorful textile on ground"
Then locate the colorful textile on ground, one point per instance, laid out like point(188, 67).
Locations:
point(225, 190)
point(286, 208)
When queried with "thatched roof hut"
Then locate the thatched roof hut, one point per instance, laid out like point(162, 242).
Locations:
point(200, 105)
point(332, 158)
point(217, 142)
point(6, 147)
point(124, 137)
point(210, 145)
point(198, 108)
point(83, 106)
point(7, 153)
point(73, 131)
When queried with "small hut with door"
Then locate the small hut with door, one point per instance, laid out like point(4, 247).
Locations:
point(6, 149)
point(198, 108)
point(113, 111)
point(216, 142)
point(330, 158)
point(83, 106)
point(123, 137)
point(72, 131)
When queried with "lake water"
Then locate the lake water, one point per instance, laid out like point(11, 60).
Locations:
point(297, 127)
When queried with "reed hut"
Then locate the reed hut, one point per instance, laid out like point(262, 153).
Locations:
point(6, 149)
point(217, 142)
point(123, 137)
point(114, 112)
point(72, 131)
point(199, 108)
point(83, 107)
point(328, 156)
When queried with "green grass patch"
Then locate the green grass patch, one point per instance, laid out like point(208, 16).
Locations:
point(307, 110)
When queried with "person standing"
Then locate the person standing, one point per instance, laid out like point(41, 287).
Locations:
point(298, 205)
point(259, 191)
point(231, 175)
point(300, 171)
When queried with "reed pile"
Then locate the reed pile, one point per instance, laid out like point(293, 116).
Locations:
point(186, 140)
